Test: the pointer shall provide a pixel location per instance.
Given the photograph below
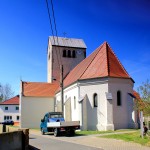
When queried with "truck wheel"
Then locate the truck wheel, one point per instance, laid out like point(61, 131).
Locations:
point(72, 132)
point(42, 131)
point(56, 132)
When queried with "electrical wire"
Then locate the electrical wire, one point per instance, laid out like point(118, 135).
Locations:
point(55, 28)
point(51, 26)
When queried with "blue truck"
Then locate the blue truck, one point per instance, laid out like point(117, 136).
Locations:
point(54, 122)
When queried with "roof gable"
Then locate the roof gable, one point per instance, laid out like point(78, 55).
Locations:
point(101, 63)
point(11, 101)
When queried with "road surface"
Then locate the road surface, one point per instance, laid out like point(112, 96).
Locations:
point(49, 142)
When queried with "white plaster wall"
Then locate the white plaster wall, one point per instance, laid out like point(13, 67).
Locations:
point(122, 115)
point(97, 116)
point(10, 112)
point(33, 110)
point(70, 92)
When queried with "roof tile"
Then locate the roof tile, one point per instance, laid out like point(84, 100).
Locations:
point(40, 89)
point(11, 101)
point(101, 63)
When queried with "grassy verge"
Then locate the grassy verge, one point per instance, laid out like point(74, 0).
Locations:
point(131, 137)
point(102, 132)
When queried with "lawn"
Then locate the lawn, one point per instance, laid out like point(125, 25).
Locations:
point(130, 137)
point(102, 132)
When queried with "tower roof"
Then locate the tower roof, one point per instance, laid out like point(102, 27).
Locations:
point(101, 63)
point(67, 42)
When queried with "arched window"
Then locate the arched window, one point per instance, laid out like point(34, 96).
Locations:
point(74, 54)
point(74, 102)
point(64, 53)
point(118, 98)
point(69, 53)
point(95, 101)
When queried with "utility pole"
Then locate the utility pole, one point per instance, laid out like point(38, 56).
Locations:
point(141, 122)
point(62, 88)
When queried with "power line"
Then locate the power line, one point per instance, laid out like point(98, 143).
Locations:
point(55, 28)
point(51, 26)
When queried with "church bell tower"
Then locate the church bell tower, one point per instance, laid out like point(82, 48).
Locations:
point(68, 52)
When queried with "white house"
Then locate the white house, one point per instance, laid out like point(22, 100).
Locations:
point(97, 89)
point(9, 110)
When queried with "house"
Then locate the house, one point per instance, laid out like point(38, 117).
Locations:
point(36, 99)
point(9, 110)
point(97, 89)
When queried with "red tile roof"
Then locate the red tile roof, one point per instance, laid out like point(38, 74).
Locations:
point(101, 63)
point(11, 101)
point(40, 89)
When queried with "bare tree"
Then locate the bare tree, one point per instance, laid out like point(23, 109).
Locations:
point(144, 103)
point(6, 92)
point(144, 91)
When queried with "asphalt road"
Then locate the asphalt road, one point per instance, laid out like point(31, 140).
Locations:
point(47, 142)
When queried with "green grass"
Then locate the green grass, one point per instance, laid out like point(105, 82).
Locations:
point(131, 137)
point(102, 132)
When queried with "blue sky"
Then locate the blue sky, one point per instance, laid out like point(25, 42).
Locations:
point(24, 31)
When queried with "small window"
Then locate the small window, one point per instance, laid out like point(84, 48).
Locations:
point(7, 117)
point(74, 54)
point(6, 108)
point(118, 98)
point(17, 117)
point(74, 102)
point(69, 53)
point(17, 108)
point(66, 97)
point(95, 100)
point(4, 117)
point(64, 53)
point(85, 54)
point(10, 117)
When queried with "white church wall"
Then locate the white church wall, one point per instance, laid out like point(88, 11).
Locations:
point(96, 116)
point(70, 93)
point(33, 110)
point(122, 115)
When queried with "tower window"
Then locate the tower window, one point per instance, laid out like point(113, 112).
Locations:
point(74, 54)
point(64, 53)
point(95, 100)
point(69, 53)
point(118, 98)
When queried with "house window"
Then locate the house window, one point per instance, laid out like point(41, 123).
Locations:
point(69, 53)
point(64, 53)
point(118, 98)
point(74, 102)
point(95, 100)
point(4, 117)
point(17, 108)
point(17, 117)
point(74, 54)
point(10, 117)
point(6, 108)
point(7, 117)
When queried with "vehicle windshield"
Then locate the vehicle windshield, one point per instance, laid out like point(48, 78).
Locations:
point(56, 116)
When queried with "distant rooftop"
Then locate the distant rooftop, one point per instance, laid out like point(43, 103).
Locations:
point(67, 42)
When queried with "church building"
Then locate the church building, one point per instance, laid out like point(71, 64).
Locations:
point(97, 90)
